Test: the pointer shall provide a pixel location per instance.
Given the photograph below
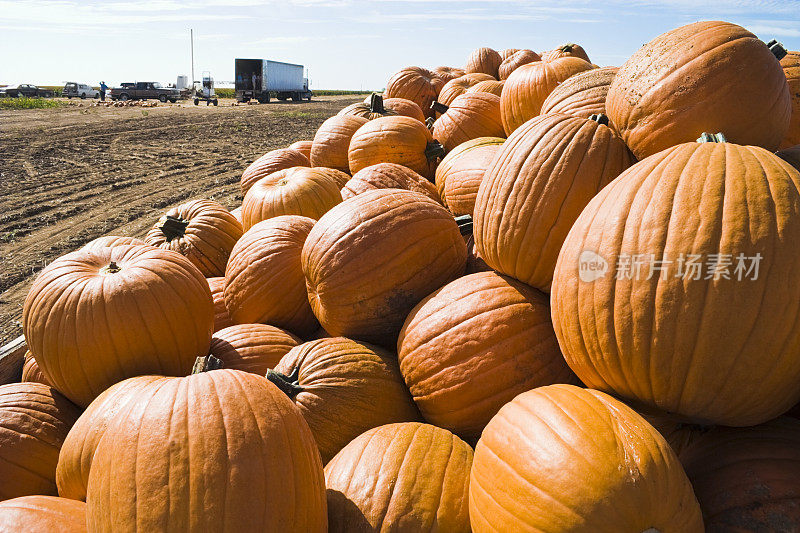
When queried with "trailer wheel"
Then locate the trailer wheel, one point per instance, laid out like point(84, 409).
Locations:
point(295, 97)
point(124, 97)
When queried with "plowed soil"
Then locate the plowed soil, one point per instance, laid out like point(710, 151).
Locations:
point(69, 175)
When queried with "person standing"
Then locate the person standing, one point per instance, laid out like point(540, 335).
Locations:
point(254, 78)
point(103, 89)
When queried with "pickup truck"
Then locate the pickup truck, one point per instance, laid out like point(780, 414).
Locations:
point(144, 90)
point(26, 89)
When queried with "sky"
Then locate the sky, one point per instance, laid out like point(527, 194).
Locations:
point(344, 44)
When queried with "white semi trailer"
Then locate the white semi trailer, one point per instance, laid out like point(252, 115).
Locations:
point(259, 79)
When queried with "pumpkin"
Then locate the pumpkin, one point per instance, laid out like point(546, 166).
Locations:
point(31, 371)
point(528, 87)
point(671, 332)
point(298, 191)
point(235, 455)
point(343, 388)
point(372, 258)
point(689, 80)
point(484, 60)
point(253, 348)
point(75, 457)
point(448, 73)
point(468, 117)
point(332, 141)
point(388, 176)
point(791, 68)
point(402, 106)
point(401, 140)
point(455, 88)
point(791, 156)
point(581, 95)
point(507, 52)
point(746, 478)
point(372, 109)
point(475, 77)
point(92, 319)
point(237, 213)
point(272, 162)
point(473, 345)
point(489, 86)
point(42, 514)
point(35, 421)
point(566, 50)
point(461, 171)
point(303, 147)
point(563, 458)
point(400, 477)
point(222, 319)
point(516, 60)
point(201, 230)
point(416, 84)
point(108, 241)
point(538, 184)
point(264, 281)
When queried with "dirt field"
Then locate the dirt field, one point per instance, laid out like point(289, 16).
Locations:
point(72, 174)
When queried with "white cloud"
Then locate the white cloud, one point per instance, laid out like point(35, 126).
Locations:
point(767, 32)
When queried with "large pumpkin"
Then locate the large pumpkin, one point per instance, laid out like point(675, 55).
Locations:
point(653, 290)
point(272, 162)
point(303, 146)
point(405, 107)
point(448, 73)
point(370, 109)
point(108, 241)
point(388, 176)
point(566, 50)
point(704, 77)
point(416, 84)
point(201, 230)
point(31, 371)
point(34, 421)
point(470, 347)
point(234, 455)
point(400, 477)
point(343, 388)
point(42, 514)
point(561, 458)
point(332, 141)
point(461, 171)
point(222, 319)
point(253, 348)
point(264, 281)
point(455, 88)
point(791, 68)
point(516, 60)
point(581, 95)
point(537, 185)
point(528, 87)
point(746, 479)
point(469, 116)
point(488, 86)
point(92, 319)
point(372, 258)
point(483, 60)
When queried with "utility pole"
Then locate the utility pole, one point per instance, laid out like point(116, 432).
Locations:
point(191, 40)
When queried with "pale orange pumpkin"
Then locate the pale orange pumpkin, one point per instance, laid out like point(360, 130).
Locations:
point(108, 241)
point(405, 107)
point(581, 95)
point(566, 50)
point(416, 84)
point(303, 147)
point(253, 348)
point(516, 60)
point(446, 74)
point(42, 514)
point(332, 141)
point(460, 173)
point(455, 88)
point(489, 86)
point(469, 116)
point(272, 162)
point(484, 60)
point(388, 176)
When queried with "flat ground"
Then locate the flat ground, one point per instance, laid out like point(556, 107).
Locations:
point(71, 174)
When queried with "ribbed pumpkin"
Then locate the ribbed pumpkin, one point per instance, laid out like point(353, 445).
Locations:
point(75, 457)
point(31, 372)
point(581, 95)
point(42, 514)
point(201, 230)
point(108, 241)
point(791, 156)
point(562, 458)
point(673, 339)
point(538, 184)
point(303, 147)
point(690, 80)
point(235, 455)
point(264, 281)
point(372, 258)
point(400, 477)
point(388, 176)
point(370, 109)
point(300, 191)
point(489, 86)
point(92, 319)
point(476, 77)
point(401, 140)
point(405, 107)
point(461, 171)
point(448, 73)
point(416, 84)
point(528, 87)
point(483, 60)
point(746, 479)
point(791, 68)
point(516, 60)
point(272, 162)
point(222, 319)
point(469, 116)
point(253, 348)
point(455, 88)
point(473, 345)
point(507, 52)
point(34, 421)
point(332, 141)
point(343, 388)
point(566, 50)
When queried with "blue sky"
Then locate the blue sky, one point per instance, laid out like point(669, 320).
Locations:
point(346, 44)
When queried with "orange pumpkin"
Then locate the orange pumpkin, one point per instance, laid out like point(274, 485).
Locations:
point(92, 319)
point(108, 241)
point(388, 176)
point(31, 372)
point(460, 377)
point(232, 447)
point(407, 108)
point(264, 281)
point(689, 80)
point(272, 162)
point(461, 171)
point(791, 68)
point(448, 73)
point(581, 95)
point(343, 388)
point(303, 147)
point(416, 84)
point(484, 60)
point(455, 88)
point(528, 87)
point(42, 514)
point(563, 458)
point(222, 319)
point(536, 187)
point(400, 477)
point(673, 330)
point(253, 348)
point(370, 109)
point(566, 50)
point(489, 86)
point(201, 230)
point(507, 52)
point(516, 60)
point(332, 141)
point(791, 156)
point(372, 258)
point(468, 117)
point(35, 421)
point(237, 213)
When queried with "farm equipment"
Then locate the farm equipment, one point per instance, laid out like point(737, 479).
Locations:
point(259, 79)
point(205, 91)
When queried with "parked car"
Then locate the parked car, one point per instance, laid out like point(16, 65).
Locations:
point(143, 90)
point(79, 90)
point(25, 89)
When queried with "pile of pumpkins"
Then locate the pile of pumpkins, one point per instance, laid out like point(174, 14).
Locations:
point(528, 295)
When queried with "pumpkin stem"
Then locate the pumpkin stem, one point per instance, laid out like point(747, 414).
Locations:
point(173, 227)
point(205, 364)
point(290, 385)
point(439, 107)
point(376, 104)
point(600, 118)
point(429, 123)
point(464, 224)
point(434, 150)
point(777, 49)
point(112, 268)
point(567, 47)
point(712, 138)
